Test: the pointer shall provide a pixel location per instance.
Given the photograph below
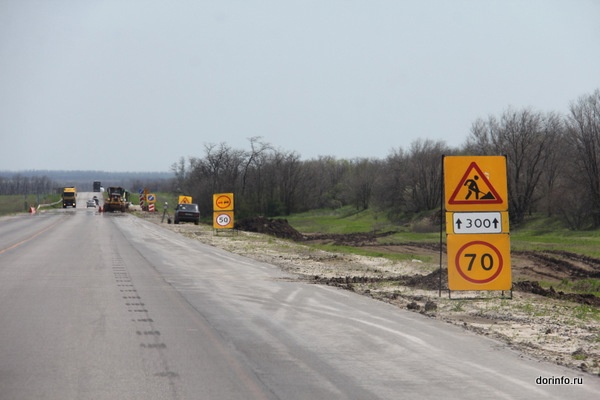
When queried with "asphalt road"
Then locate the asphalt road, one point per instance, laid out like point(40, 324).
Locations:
point(109, 306)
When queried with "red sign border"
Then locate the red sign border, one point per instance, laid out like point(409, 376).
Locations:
point(476, 281)
point(227, 207)
point(497, 199)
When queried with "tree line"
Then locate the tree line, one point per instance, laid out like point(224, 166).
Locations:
point(21, 184)
point(42, 182)
point(553, 166)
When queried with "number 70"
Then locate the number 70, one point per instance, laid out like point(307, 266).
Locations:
point(486, 261)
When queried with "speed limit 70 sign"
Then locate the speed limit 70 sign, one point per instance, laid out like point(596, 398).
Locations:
point(479, 262)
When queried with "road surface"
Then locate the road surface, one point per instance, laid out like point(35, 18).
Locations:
point(110, 306)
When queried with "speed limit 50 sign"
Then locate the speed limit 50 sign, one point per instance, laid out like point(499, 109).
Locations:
point(223, 220)
point(479, 262)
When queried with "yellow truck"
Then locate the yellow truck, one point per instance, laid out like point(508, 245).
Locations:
point(69, 197)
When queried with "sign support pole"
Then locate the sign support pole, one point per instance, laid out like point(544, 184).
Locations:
point(441, 225)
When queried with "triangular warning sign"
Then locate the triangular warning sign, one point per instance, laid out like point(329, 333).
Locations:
point(474, 188)
point(185, 200)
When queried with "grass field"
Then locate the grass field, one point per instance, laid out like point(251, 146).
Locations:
point(13, 204)
point(537, 233)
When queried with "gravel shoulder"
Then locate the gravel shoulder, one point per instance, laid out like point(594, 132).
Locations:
point(544, 326)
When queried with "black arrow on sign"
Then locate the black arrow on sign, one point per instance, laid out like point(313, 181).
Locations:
point(495, 222)
point(458, 223)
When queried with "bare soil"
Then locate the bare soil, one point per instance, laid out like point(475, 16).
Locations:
point(545, 324)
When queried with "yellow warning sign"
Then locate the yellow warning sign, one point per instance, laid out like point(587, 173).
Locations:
point(475, 183)
point(223, 220)
point(185, 199)
point(222, 201)
point(479, 262)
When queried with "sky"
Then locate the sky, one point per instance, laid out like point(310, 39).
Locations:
point(135, 85)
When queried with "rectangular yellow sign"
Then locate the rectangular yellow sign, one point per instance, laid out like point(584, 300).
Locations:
point(185, 200)
point(222, 202)
point(479, 262)
point(223, 220)
point(475, 183)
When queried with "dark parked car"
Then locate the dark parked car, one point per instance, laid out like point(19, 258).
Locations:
point(187, 213)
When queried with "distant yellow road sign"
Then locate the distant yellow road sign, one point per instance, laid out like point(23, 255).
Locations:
point(475, 183)
point(222, 201)
point(479, 262)
point(185, 199)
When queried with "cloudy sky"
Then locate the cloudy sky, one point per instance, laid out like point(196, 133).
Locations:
point(134, 85)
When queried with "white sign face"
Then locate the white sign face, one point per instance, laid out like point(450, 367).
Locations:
point(223, 220)
point(477, 222)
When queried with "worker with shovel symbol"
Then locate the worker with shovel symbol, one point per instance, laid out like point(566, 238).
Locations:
point(473, 187)
point(474, 190)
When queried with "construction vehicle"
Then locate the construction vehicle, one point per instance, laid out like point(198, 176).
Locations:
point(69, 197)
point(117, 200)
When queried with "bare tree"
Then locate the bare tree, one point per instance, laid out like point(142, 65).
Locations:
point(392, 184)
point(584, 137)
point(323, 183)
point(424, 174)
point(21, 184)
point(287, 166)
point(361, 181)
point(528, 140)
point(179, 170)
point(255, 158)
point(554, 171)
point(218, 171)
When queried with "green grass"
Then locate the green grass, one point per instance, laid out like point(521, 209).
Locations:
point(13, 204)
point(547, 234)
point(585, 312)
point(348, 220)
point(536, 234)
point(342, 220)
point(582, 286)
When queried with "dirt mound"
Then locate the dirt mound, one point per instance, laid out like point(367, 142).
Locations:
point(561, 264)
point(431, 281)
point(535, 288)
point(276, 227)
point(428, 282)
